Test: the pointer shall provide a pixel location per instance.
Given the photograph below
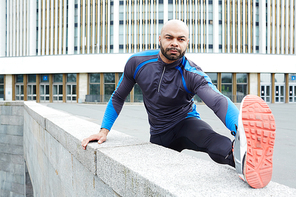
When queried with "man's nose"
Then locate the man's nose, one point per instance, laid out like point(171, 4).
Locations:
point(174, 43)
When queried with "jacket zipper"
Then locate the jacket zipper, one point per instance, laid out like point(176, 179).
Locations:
point(161, 78)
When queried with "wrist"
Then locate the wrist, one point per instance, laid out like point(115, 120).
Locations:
point(105, 131)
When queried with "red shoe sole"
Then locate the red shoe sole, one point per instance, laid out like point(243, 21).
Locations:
point(259, 126)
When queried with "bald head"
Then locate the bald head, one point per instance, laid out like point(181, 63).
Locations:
point(176, 25)
point(173, 40)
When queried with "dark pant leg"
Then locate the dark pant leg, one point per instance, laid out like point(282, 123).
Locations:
point(195, 134)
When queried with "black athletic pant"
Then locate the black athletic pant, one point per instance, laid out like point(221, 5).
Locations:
point(195, 134)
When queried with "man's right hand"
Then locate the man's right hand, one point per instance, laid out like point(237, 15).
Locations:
point(101, 137)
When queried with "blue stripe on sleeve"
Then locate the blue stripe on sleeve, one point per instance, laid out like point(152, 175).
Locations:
point(183, 80)
point(146, 53)
point(110, 114)
point(142, 64)
point(231, 118)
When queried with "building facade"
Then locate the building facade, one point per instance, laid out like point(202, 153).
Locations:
point(32, 30)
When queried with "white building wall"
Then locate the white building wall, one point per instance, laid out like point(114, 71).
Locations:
point(82, 86)
point(2, 28)
point(8, 87)
point(253, 83)
point(71, 7)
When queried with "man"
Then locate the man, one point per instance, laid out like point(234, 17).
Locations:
point(169, 81)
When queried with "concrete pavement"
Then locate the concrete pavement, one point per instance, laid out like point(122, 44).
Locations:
point(133, 121)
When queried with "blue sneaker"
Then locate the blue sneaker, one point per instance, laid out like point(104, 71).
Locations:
point(254, 142)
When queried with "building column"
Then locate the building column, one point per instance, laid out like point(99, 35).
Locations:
point(216, 26)
point(262, 27)
point(116, 27)
point(71, 15)
point(32, 28)
point(2, 28)
point(8, 87)
point(253, 83)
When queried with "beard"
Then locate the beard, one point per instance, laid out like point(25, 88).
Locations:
point(170, 56)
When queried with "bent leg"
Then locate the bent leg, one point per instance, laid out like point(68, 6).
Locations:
point(195, 134)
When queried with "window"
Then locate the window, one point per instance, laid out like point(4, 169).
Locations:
point(265, 87)
point(31, 88)
point(57, 88)
point(1, 87)
point(226, 85)
point(94, 84)
point(71, 88)
point(44, 88)
point(242, 86)
point(109, 85)
point(19, 87)
point(138, 96)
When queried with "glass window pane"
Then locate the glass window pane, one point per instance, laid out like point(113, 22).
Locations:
point(44, 78)
point(68, 89)
point(94, 89)
point(213, 77)
point(109, 88)
point(34, 89)
point(74, 89)
point(292, 77)
point(58, 78)
point(109, 78)
point(280, 78)
point(31, 78)
point(60, 89)
point(267, 90)
point(1, 78)
point(55, 89)
point(226, 77)
point(94, 78)
point(71, 78)
point(282, 91)
point(47, 89)
point(1, 91)
point(29, 90)
point(265, 77)
point(22, 89)
point(19, 78)
point(241, 78)
point(138, 96)
point(227, 90)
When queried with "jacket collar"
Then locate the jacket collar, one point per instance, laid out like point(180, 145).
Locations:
point(171, 65)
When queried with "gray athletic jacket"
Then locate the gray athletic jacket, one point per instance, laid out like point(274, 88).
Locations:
point(168, 91)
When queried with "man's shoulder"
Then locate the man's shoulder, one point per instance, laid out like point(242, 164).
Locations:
point(145, 54)
point(191, 66)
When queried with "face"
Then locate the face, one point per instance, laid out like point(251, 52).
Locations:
point(173, 41)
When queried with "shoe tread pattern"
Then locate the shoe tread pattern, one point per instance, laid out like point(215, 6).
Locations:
point(259, 125)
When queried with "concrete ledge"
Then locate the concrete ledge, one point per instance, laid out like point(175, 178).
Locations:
point(122, 166)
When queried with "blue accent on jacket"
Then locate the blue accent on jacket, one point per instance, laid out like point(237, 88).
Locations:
point(168, 91)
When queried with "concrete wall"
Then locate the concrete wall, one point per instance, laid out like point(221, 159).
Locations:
point(122, 166)
point(12, 166)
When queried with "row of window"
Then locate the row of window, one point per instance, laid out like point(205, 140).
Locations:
point(102, 85)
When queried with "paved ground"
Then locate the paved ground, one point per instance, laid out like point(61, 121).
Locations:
point(133, 121)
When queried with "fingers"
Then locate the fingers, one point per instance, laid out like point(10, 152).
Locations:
point(100, 138)
point(84, 143)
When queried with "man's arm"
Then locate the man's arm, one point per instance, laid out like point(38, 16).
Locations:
point(114, 106)
point(200, 84)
